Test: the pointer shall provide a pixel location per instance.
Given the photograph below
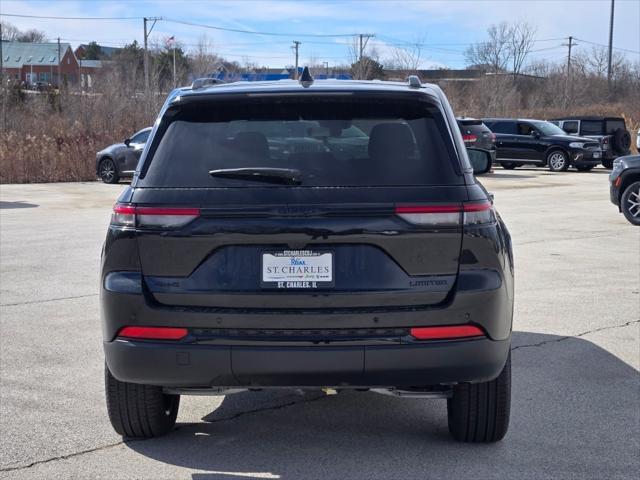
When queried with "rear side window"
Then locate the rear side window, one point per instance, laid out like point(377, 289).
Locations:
point(591, 127)
point(330, 141)
point(570, 126)
point(503, 127)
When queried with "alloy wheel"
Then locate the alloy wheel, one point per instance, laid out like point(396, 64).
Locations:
point(107, 171)
point(633, 203)
point(557, 160)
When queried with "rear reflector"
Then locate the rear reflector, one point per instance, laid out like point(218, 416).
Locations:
point(132, 216)
point(446, 214)
point(446, 332)
point(153, 333)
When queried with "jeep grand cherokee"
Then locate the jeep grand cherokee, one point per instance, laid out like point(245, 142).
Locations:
point(324, 234)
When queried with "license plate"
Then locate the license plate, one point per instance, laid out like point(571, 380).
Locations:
point(293, 269)
point(596, 154)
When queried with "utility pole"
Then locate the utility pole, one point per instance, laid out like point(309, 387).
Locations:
point(59, 65)
point(174, 66)
point(364, 39)
point(567, 84)
point(610, 44)
point(326, 66)
point(146, 51)
point(296, 48)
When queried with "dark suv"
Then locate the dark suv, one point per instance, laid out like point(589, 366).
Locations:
point(475, 134)
point(239, 259)
point(611, 132)
point(536, 142)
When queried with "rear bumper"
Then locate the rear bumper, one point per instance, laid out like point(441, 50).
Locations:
point(175, 364)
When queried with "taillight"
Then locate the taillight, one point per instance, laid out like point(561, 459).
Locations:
point(153, 333)
point(158, 217)
point(449, 332)
point(492, 136)
point(450, 214)
point(469, 138)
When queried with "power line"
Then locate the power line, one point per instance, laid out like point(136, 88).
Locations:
point(47, 17)
point(603, 45)
point(252, 32)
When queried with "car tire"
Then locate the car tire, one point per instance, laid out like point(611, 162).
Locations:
point(630, 203)
point(108, 171)
point(139, 411)
point(607, 164)
point(479, 412)
point(557, 161)
point(584, 168)
point(508, 165)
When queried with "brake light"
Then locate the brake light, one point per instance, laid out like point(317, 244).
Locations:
point(132, 216)
point(469, 138)
point(493, 137)
point(153, 333)
point(448, 214)
point(446, 332)
point(605, 140)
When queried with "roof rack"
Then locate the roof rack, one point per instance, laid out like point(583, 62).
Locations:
point(205, 82)
point(414, 81)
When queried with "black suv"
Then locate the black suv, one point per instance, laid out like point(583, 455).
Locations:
point(611, 132)
point(239, 259)
point(475, 134)
point(536, 142)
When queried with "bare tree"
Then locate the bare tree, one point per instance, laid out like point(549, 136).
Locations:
point(520, 44)
point(365, 67)
point(407, 58)
point(9, 32)
point(31, 36)
point(204, 59)
point(493, 54)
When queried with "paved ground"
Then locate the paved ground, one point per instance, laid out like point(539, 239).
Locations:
point(576, 355)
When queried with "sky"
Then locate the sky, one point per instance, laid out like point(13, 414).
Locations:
point(444, 29)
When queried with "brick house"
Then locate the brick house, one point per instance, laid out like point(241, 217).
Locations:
point(38, 62)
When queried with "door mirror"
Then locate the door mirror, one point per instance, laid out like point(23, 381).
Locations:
point(535, 134)
point(127, 141)
point(480, 160)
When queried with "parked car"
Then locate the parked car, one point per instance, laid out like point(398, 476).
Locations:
point(611, 132)
point(625, 187)
point(476, 134)
point(638, 141)
point(536, 142)
point(119, 160)
point(387, 269)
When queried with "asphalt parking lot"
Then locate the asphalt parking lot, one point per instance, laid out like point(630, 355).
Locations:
point(576, 356)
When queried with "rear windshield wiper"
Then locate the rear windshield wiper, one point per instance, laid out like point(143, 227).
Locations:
point(284, 176)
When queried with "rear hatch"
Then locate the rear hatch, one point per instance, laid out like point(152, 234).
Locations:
point(301, 201)
point(476, 134)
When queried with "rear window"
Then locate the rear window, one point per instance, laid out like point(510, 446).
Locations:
point(329, 140)
point(591, 127)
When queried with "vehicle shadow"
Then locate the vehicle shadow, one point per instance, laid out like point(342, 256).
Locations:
point(18, 204)
point(575, 414)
